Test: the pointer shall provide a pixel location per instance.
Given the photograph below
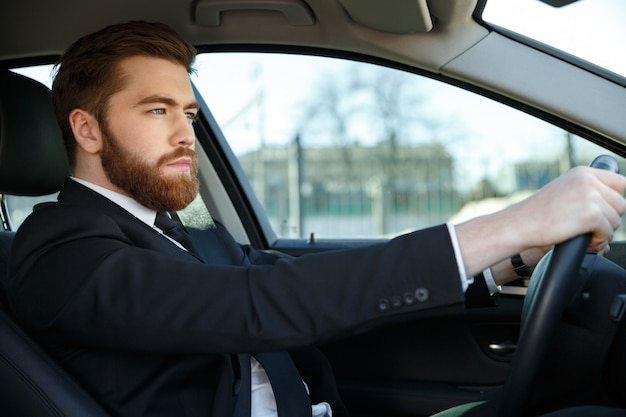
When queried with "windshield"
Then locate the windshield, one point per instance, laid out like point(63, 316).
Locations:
point(592, 30)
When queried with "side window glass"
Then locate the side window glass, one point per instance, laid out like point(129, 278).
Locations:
point(19, 207)
point(196, 215)
point(347, 149)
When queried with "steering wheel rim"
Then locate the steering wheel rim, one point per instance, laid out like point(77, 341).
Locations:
point(552, 287)
point(551, 290)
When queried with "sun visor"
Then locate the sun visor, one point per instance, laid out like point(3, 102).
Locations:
point(209, 12)
point(393, 16)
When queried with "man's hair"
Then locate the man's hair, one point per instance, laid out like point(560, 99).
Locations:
point(88, 73)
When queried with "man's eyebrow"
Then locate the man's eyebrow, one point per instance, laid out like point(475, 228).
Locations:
point(168, 101)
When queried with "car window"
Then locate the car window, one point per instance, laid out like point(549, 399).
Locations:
point(344, 149)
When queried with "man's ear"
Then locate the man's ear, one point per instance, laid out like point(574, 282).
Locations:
point(86, 130)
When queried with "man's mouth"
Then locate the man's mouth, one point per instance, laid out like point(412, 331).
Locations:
point(180, 164)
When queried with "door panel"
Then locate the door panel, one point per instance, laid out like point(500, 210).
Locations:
point(421, 367)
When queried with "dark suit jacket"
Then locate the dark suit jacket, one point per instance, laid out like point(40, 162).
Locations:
point(151, 330)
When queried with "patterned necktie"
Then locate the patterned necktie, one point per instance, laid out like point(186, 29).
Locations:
point(175, 231)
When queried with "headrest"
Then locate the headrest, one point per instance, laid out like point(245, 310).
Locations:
point(32, 155)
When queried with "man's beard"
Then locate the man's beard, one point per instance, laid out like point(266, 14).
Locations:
point(145, 182)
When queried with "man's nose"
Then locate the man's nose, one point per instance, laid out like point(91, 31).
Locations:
point(184, 133)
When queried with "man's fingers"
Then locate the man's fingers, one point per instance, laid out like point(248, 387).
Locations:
point(616, 182)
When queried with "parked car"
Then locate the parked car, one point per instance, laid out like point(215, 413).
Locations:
point(327, 124)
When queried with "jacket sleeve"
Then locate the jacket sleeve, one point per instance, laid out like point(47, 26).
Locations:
point(86, 282)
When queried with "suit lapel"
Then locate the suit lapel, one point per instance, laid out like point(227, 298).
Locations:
point(139, 233)
point(215, 245)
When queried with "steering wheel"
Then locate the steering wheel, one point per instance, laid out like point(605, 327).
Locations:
point(551, 289)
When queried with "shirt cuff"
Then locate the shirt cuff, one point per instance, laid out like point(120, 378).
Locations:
point(465, 280)
point(490, 282)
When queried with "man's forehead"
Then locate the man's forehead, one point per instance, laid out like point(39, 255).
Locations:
point(147, 77)
point(146, 67)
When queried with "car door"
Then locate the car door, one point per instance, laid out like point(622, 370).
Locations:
point(316, 153)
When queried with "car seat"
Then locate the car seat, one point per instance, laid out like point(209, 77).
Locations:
point(32, 162)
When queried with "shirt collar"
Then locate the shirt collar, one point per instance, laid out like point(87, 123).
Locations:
point(143, 213)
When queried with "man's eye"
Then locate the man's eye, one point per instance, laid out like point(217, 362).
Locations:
point(191, 116)
point(157, 111)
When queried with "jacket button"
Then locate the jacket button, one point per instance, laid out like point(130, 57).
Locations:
point(383, 305)
point(422, 294)
point(409, 298)
point(396, 302)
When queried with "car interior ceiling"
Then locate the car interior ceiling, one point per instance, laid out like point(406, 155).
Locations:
point(361, 27)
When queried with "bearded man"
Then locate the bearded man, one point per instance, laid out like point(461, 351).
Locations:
point(151, 327)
